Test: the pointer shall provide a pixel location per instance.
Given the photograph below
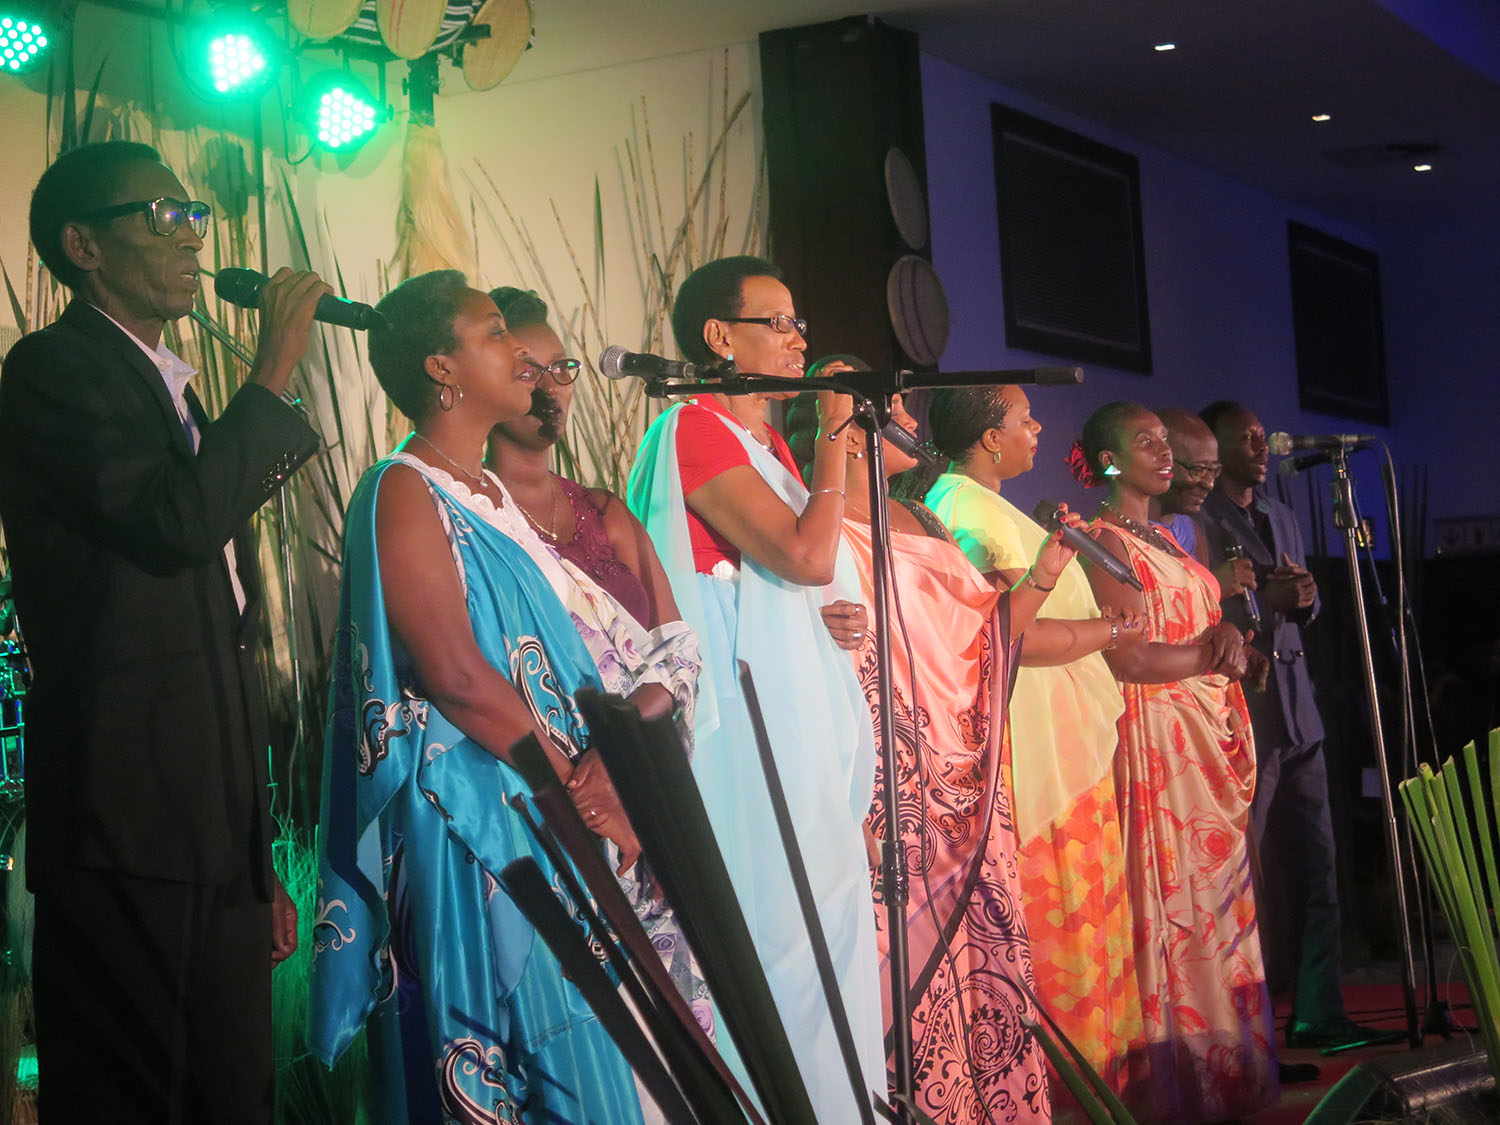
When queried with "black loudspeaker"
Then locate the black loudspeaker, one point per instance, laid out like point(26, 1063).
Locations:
point(846, 168)
point(1450, 1083)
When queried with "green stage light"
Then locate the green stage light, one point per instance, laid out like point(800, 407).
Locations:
point(231, 60)
point(341, 115)
point(236, 63)
point(22, 40)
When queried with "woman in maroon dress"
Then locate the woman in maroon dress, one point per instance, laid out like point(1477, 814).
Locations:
point(590, 527)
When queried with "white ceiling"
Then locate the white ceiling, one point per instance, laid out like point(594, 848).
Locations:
point(1237, 95)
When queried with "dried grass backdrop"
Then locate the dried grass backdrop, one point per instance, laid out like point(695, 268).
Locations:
point(659, 207)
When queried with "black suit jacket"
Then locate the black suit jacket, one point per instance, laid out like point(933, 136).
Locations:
point(147, 733)
point(1289, 704)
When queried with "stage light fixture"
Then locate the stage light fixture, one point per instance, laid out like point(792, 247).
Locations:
point(235, 62)
point(340, 113)
point(232, 60)
point(23, 38)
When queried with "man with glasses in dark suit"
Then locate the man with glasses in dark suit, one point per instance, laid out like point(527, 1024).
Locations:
point(126, 513)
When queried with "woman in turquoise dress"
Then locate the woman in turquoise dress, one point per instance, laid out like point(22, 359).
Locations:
point(459, 633)
point(753, 557)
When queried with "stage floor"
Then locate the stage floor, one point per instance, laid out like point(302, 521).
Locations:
point(1372, 996)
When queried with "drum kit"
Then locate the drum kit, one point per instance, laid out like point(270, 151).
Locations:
point(15, 681)
point(15, 905)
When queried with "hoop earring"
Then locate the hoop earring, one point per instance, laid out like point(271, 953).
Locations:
point(455, 396)
point(995, 456)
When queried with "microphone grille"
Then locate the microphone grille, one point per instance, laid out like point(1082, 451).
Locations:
point(1279, 443)
point(239, 286)
point(612, 362)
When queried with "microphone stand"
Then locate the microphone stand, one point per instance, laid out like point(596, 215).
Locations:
point(1346, 519)
point(873, 391)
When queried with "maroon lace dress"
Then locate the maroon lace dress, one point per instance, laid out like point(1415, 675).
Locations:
point(591, 552)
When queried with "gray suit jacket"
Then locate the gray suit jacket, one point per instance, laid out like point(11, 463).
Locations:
point(1281, 635)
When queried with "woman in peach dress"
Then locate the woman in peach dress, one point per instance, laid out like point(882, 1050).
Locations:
point(1185, 773)
point(975, 1060)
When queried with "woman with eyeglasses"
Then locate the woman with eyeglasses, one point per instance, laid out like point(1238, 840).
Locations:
point(1185, 774)
point(751, 554)
point(461, 631)
point(590, 527)
point(594, 530)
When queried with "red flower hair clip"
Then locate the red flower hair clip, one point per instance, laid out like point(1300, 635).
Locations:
point(1078, 465)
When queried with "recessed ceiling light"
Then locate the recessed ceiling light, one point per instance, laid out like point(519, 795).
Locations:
point(1421, 167)
point(1165, 47)
point(1322, 117)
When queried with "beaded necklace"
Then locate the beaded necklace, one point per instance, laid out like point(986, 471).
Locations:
point(1148, 534)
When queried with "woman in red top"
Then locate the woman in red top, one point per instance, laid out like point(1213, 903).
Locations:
point(753, 557)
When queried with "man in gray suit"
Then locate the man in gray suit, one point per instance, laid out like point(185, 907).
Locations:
point(1290, 815)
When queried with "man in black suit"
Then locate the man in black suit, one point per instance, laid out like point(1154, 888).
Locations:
point(126, 513)
point(1290, 814)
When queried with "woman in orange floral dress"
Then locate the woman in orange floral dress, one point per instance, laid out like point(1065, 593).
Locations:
point(1185, 773)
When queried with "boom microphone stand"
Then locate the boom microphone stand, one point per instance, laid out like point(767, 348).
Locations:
point(1346, 519)
point(873, 392)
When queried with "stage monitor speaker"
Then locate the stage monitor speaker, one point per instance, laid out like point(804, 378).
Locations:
point(846, 167)
point(1450, 1083)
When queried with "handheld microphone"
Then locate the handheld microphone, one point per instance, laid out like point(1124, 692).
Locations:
point(242, 287)
point(1283, 443)
point(616, 363)
point(1233, 550)
point(906, 441)
point(1090, 549)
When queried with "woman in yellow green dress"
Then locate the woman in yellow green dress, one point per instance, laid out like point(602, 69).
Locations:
point(1062, 731)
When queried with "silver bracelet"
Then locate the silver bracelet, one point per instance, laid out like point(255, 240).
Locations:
point(1114, 636)
point(835, 491)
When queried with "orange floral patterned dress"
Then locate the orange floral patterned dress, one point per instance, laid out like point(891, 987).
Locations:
point(1184, 775)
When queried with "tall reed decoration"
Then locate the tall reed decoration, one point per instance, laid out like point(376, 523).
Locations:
point(671, 229)
point(1454, 815)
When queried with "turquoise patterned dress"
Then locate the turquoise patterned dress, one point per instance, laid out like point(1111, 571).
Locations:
point(416, 827)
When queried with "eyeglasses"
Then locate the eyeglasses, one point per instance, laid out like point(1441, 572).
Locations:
point(781, 322)
point(1204, 472)
point(563, 371)
point(163, 215)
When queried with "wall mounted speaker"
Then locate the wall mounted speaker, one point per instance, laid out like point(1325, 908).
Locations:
point(846, 168)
